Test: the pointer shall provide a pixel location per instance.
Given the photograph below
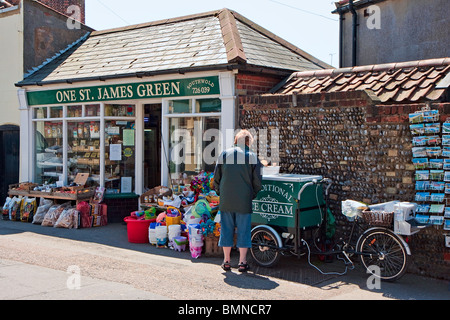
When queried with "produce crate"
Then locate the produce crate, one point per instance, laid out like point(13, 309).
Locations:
point(23, 186)
point(21, 189)
point(65, 193)
point(38, 194)
point(211, 246)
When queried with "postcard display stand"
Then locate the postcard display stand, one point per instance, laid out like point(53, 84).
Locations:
point(431, 159)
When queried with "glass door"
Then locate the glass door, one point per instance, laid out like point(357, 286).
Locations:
point(152, 145)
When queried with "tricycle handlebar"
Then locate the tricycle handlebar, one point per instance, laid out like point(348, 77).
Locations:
point(313, 182)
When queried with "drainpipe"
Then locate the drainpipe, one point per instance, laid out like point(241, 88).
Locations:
point(341, 38)
point(354, 30)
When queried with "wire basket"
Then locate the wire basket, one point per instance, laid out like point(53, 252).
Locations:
point(378, 218)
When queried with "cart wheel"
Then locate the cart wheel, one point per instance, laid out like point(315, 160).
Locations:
point(265, 247)
point(383, 249)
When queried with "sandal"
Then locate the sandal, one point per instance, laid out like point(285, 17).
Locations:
point(243, 267)
point(226, 266)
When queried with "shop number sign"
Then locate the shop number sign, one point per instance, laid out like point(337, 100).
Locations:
point(132, 91)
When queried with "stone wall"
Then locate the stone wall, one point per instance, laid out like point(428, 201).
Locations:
point(364, 147)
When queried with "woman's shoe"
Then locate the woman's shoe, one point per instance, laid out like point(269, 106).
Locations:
point(226, 266)
point(243, 267)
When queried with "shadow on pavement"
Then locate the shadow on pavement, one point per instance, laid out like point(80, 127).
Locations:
point(288, 269)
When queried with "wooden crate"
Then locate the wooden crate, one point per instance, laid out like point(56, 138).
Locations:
point(85, 193)
point(211, 246)
point(39, 194)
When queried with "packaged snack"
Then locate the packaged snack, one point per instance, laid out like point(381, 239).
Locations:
point(14, 212)
point(53, 214)
point(84, 209)
point(28, 209)
point(68, 219)
point(6, 208)
point(41, 211)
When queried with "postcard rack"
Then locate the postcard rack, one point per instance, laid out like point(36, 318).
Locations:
point(431, 159)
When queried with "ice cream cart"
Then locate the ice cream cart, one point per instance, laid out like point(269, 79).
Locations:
point(278, 209)
point(276, 203)
point(290, 217)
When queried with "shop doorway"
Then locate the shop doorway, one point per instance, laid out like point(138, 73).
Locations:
point(152, 145)
point(9, 157)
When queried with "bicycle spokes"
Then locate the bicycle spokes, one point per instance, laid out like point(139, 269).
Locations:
point(385, 251)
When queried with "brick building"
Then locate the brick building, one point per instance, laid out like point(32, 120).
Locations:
point(154, 78)
point(31, 33)
point(388, 31)
point(62, 6)
point(352, 126)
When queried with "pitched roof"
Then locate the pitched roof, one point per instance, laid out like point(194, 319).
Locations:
point(209, 40)
point(395, 82)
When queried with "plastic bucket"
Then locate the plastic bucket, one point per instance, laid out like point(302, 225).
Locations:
point(161, 235)
point(137, 230)
point(174, 231)
point(152, 233)
point(172, 220)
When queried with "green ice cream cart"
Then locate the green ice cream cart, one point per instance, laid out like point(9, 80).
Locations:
point(287, 205)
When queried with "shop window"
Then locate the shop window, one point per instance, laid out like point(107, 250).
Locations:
point(40, 113)
point(49, 152)
point(180, 106)
point(119, 110)
point(193, 145)
point(74, 111)
point(208, 105)
point(84, 151)
point(93, 110)
point(120, 150)
point(56, 112)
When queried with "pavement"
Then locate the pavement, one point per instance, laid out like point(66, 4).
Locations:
point(44, 263)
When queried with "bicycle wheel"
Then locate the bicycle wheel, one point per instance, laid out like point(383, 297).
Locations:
point(265, 247)
point(383, 249)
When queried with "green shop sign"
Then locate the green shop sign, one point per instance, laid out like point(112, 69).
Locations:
point(144, 90)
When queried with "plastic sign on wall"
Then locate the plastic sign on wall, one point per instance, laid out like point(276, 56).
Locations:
point(132, 91)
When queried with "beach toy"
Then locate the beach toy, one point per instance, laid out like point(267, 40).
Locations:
point(196, 252)
point(161, 235)
point(150, 214)
point(195, 240)
point(179, 243)
point(137, 229)
point(200, 208)
point(174, 230)
point(152, 233)
point(137, 214)
point(161, 218)
point(173, 216)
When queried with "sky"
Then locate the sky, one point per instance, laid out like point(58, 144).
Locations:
point(307, 24)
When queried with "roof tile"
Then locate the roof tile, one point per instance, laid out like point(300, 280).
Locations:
point(207, 39)
point(393, 82)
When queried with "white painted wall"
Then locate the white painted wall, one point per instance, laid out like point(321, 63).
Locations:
point(11, 63)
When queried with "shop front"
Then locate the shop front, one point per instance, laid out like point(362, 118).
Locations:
point(124, 135)
point(148, 105)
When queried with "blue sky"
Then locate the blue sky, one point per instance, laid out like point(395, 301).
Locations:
point(308, 24)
